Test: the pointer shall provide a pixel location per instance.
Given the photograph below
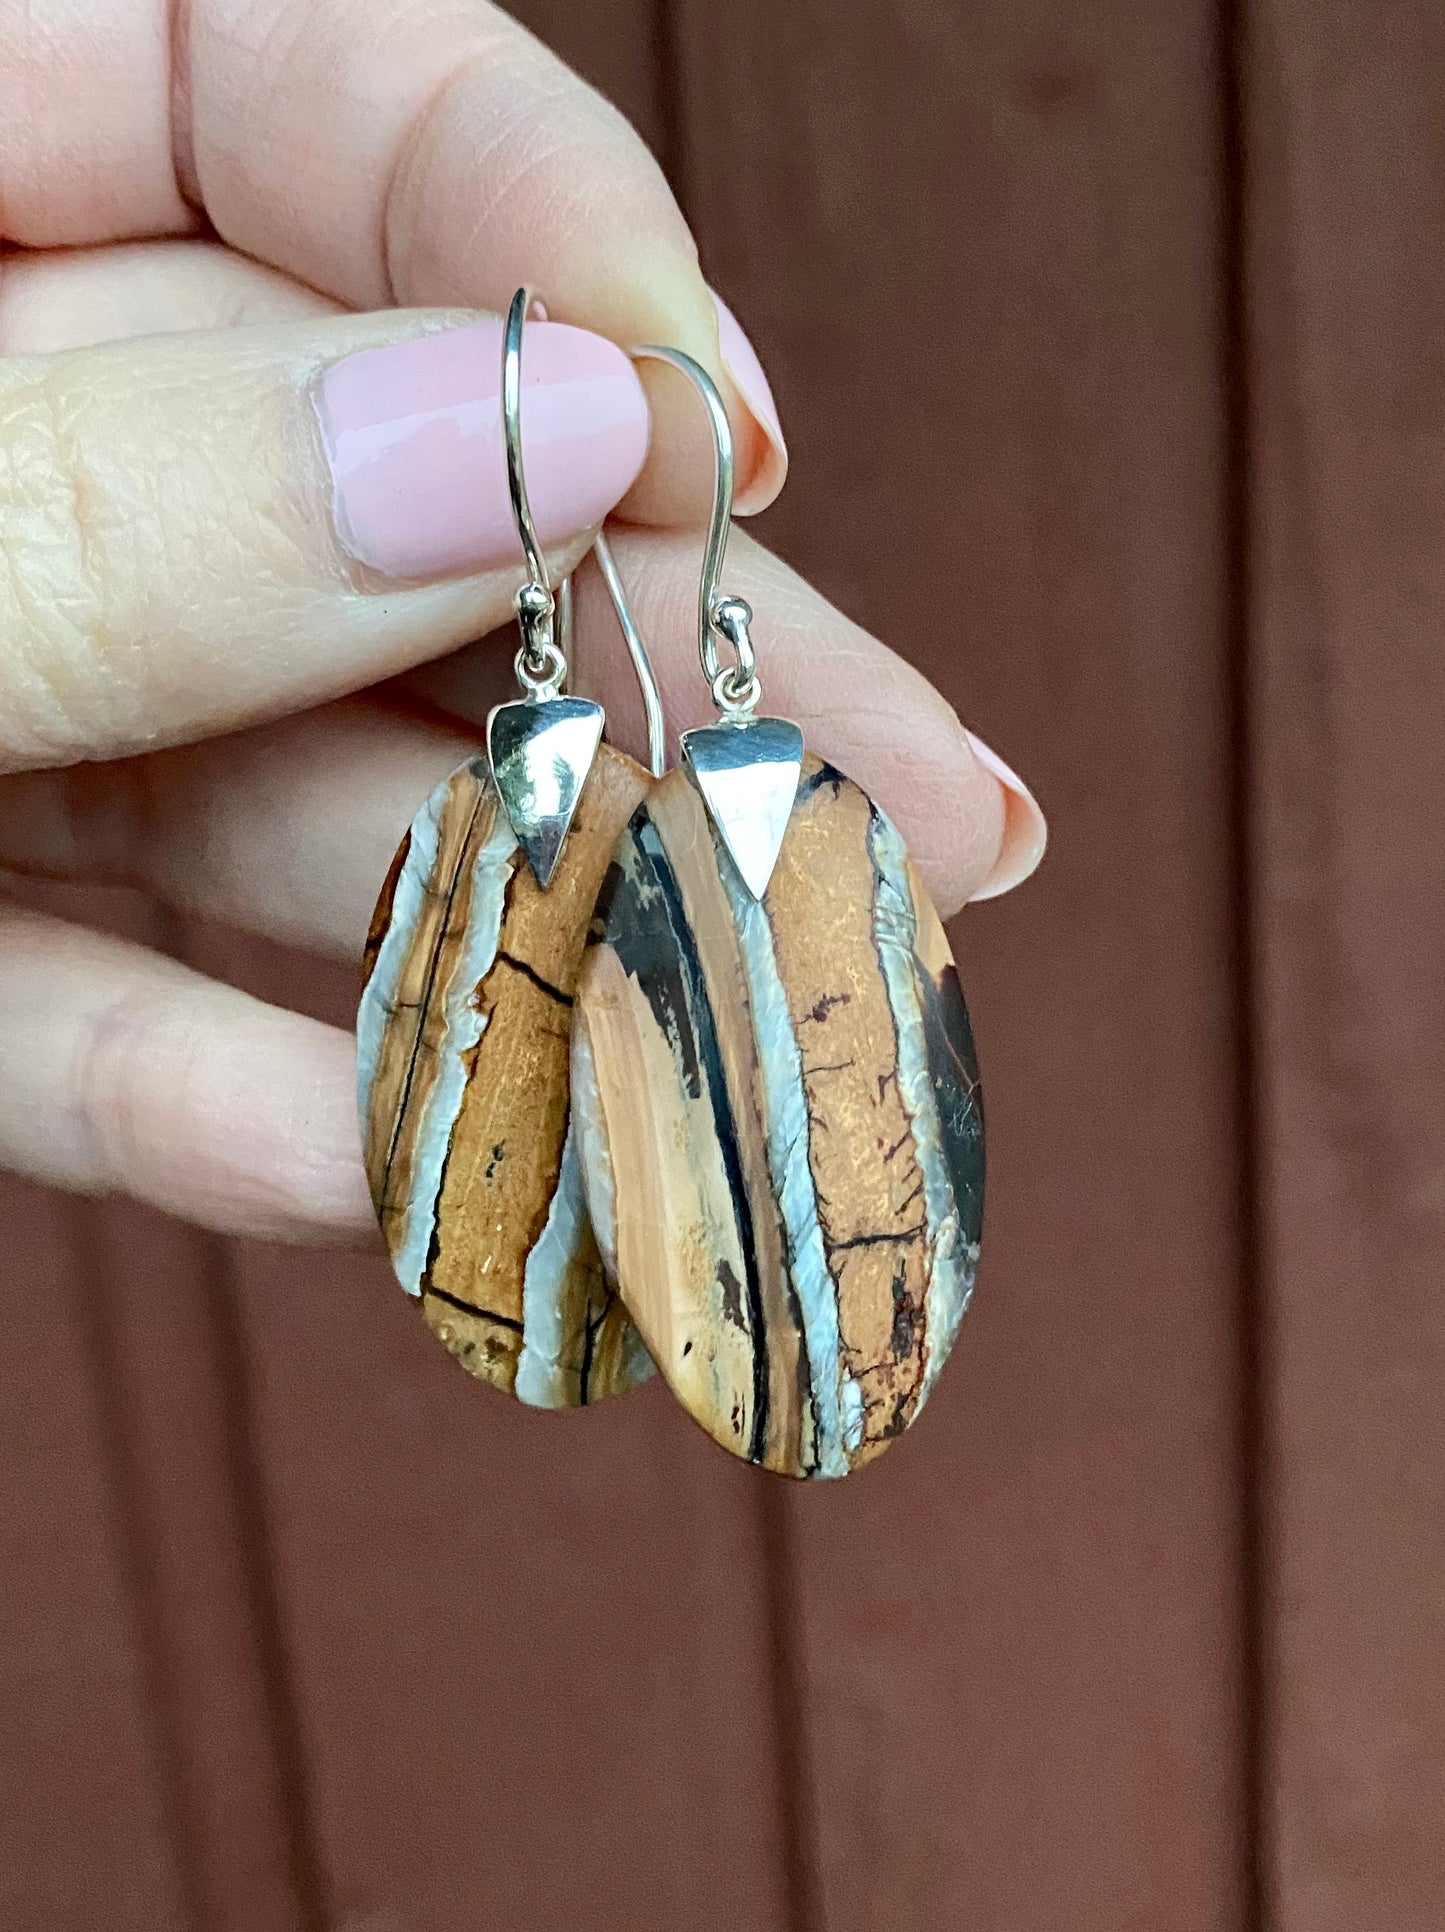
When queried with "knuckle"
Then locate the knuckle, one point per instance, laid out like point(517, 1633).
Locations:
point(58, 661)
point(155, 525)
point(123, 1044)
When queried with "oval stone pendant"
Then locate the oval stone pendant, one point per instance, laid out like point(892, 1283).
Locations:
point(471, 969)
point(781, 1123)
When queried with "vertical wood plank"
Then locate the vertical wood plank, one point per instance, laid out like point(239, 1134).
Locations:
point(87, 1834)
point(214, 1692)
point(979, 249)
point(1347, 287)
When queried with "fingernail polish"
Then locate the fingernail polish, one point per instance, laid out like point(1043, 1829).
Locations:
point(740, 359)
point(1026, 831)
point(413, 435)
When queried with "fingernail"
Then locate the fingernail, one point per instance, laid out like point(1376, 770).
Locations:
point(1025, 831)
point(413, 434)
point(740, 359)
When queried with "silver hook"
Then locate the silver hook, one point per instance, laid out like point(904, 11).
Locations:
point(735, 686)
point(746, 768)
point(545, 617)
point(541, 663)
point(637, 651)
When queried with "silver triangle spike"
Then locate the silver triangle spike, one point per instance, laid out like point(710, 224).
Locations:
point(748, 774)
point(542, 750)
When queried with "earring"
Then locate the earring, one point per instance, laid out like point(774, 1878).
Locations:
point(774, 1082)
point(471, 968)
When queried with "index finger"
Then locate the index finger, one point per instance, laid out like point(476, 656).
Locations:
point(422, 152)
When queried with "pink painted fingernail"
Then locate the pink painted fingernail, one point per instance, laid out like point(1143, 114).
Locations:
point(413, 434)
point(740, 359)
point(1025, 832)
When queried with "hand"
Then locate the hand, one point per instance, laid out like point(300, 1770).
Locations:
point(232, 528)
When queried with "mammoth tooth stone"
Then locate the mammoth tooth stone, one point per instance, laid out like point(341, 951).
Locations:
point(781, 1126)
point(462, 1037)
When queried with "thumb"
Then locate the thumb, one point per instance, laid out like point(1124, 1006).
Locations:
point(200, 531)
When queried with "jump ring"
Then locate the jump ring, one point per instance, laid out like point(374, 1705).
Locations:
point(542, 671)
point(734, 692)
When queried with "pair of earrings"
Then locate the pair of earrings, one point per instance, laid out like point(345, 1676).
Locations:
point(672, 1069)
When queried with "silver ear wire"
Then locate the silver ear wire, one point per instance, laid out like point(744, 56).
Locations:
point(546, 618)
point(637, 651)
point(541, 658)
point(541, 746)
point(734, 686)
point(746, 768)
point(512, 432)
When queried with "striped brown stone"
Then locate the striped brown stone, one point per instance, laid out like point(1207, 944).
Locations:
point(463, 1079)
point(781, 1124)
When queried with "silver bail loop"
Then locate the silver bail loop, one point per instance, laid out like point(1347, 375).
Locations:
point(735, 687)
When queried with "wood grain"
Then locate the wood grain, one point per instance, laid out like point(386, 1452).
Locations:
point(471, 970)
point(86, 1830)
point(781, 1124)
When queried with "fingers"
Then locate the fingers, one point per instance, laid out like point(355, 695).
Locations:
point(73, 298)
point(423, 151)
point(199, 531)
point(85, 148)
point(123, 1071)
point(289, 830)
point(286, 831)
point(972, 825)
point(433, 152)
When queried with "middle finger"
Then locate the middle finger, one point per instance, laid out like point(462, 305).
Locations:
point(287, 831)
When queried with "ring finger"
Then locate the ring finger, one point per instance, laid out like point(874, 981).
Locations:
point(288, 830)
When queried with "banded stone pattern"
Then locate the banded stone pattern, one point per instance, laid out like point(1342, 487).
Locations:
point(462, 1043)
point(781, 1124)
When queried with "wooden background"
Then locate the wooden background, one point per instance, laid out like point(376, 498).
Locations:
point(1142, 1630)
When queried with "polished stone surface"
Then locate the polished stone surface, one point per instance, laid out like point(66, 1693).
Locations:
point(463, 1085)
point(781, 1125)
